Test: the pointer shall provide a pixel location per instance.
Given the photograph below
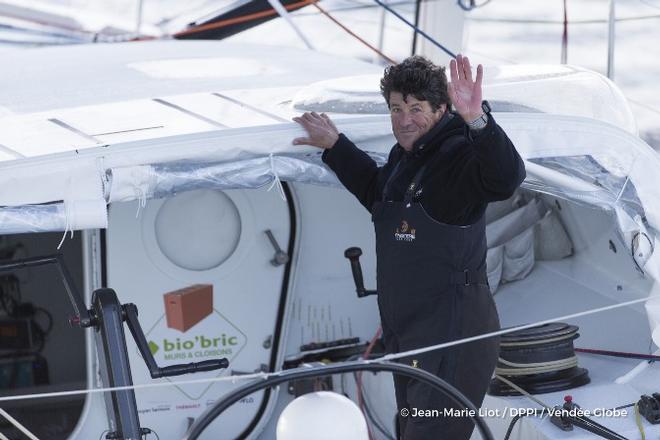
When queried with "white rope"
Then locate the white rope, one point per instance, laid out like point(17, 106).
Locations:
point(276, 178)
point(539, 364)
point(508, 330)
point(534, 342)
point(67, 224)
point(15, 422)
point(523, 392)
point(142, 201)
point(67, 213)
point(233, 379)
point(264, 376)
point(535, 368)
point(285, 15)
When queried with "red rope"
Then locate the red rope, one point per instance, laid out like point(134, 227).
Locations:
point(324, 12)
point(241, 19)
point(358, 376)
point(271, 12)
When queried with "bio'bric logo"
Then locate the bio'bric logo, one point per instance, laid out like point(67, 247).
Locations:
point(201, 341)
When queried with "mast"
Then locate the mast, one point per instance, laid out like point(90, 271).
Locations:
point(444, 21)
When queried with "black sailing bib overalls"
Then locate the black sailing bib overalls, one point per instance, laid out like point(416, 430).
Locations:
point(432, 288)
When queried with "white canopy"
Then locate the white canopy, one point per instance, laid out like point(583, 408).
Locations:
point(83, 126)
point(118, 122)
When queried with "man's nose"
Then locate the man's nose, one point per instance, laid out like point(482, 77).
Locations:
point(404, 120)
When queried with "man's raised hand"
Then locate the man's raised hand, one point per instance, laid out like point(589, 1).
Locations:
point(321, 131)
point(465, 93)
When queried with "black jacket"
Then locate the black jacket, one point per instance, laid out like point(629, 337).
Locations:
point(462, 175)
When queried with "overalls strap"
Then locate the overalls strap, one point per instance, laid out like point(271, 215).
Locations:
point(410, 192)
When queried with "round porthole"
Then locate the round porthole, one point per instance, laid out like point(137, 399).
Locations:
point(198, 230)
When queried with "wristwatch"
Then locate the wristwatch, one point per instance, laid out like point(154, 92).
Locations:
point(481, 121)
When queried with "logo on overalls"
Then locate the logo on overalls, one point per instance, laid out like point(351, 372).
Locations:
point(405, 232)
point(415, 194)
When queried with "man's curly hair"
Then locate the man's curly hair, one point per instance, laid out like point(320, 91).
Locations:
point(419, 77)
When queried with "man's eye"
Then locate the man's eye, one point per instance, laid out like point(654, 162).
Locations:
point(395, 110)
point(416, 110)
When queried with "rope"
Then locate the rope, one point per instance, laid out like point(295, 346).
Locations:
point(564, 38)
point(418, 4)
point(16, 423)
point(509, 330)
point(241, 19)
point(535, 364)
point(519, 416)
point(48, 23)
point(271, 13)
point(534, 342)
point(472, 5)
point(261, 375)
point(161, 384)
point(275, 4)
point(523, 392)
point(523, 369)
point(535, 368)
point(638, 421)
point(360, 6)
point(67, 220)
point(68, 213)
point(141, 201)
point(276, 178)
point(573, 22)
point(358, 375)
point(418, 30)
point(324, 12)
point(622, 354)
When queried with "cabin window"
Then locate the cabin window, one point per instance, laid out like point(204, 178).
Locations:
point(39, 350)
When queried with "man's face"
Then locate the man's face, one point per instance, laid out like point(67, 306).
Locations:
point(412, 118)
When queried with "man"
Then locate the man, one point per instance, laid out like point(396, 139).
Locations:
point(428, 203)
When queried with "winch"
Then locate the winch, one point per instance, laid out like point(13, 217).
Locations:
point(540, 360)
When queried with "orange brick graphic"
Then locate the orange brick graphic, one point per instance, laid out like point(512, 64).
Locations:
point(186, 307)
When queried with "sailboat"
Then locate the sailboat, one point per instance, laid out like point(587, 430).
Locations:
point(173, 160)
